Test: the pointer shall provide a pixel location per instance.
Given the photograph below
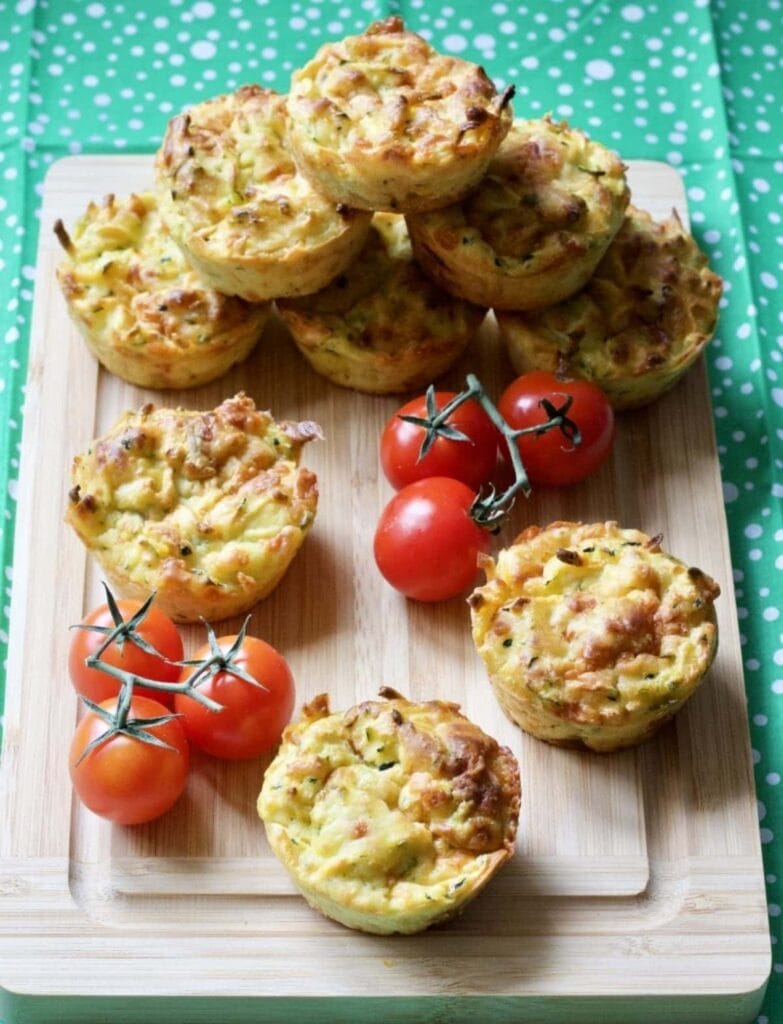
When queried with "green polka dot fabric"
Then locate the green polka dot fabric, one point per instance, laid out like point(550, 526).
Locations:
point(695, 83)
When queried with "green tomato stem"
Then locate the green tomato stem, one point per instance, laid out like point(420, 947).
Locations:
point(124, 702)
point(490, 508)
point(130, 680)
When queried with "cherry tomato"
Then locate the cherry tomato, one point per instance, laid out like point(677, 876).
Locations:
point(472, 461)
point(126, 779)
point(426, 545)
point(156, 628)
point(551, 459)
point(252, 718)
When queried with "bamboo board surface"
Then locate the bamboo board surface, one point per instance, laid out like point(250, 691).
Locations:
point(636, 875)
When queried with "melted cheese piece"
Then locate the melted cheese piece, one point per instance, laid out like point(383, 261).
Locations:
point(206, 509)
point(592, 633)
point(639, 323)
point(392, 815)
point(147, 316)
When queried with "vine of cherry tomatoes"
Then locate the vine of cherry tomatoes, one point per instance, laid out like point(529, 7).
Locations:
point(442, 451)
point(130, 754)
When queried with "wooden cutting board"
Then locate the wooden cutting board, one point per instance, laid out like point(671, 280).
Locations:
point(637, 887)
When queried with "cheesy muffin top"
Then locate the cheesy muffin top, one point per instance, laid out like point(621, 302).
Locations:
point(232, 197)
point(392, 815)
point(536, 225)
point(384, 122)
point(382, 326)
point(591, 633)
point(207, 509)
point(639, 323)
point(146, 315)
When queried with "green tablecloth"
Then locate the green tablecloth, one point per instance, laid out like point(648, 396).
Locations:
point(695, 83)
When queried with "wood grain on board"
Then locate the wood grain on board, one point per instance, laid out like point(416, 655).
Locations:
point(636, 874)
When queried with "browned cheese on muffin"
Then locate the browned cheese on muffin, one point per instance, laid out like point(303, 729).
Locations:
point(206, 509)
point(393, 815)
point(232, 198)
point(382, 326)
point(383, 122)
point(591, 634)
point(638, 325)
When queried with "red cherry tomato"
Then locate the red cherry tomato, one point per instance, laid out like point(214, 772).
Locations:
point(551, 459)
point(471, 461)
point(126, 779)
point(156, 628)
point(252, 718)
point(426, 545)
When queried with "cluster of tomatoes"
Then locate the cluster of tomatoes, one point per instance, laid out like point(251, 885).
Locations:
point(130, 754)
point(428, 541)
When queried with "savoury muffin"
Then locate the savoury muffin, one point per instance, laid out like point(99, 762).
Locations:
point(382, 326)
point(592, 636)
point(535, 227)
point(232, 198)
point(206, 509)
point(382, 122)
point(391, 816)
point(639, 323)
point(144, 313)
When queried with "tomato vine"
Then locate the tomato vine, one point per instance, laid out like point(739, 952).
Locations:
point(490, 507)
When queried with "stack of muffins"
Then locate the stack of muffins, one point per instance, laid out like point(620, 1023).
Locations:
point(385, 205)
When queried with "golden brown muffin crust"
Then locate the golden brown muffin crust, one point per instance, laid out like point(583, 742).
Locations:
point(638, 324)
point(592, 634)
point(419, 102)
point(382, 326)
point(232, 197)
point(206, 509)
point(392, 815)
point(383, 121)
point(536, 225)
point(145, 314)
